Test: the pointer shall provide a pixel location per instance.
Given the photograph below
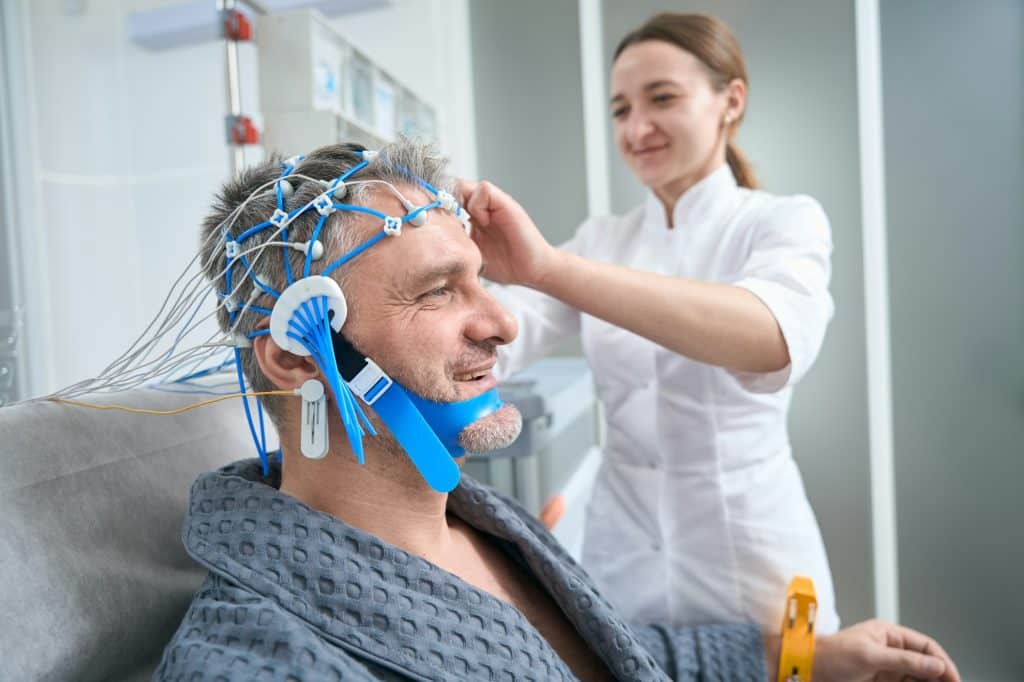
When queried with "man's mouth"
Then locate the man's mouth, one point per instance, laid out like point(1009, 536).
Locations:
point(475, 374)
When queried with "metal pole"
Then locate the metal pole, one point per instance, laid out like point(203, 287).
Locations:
point(236, 152)
point(876, 303)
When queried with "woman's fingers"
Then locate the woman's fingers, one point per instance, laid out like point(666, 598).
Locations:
point(463, 189)
point(475, 197)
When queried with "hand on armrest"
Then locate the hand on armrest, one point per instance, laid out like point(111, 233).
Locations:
point(863, 652)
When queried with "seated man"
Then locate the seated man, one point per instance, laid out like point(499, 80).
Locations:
point(325, 568)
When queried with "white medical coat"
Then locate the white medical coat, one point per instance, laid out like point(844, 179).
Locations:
point(699, 512)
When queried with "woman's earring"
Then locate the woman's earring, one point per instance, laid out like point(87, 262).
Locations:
point(728, 119)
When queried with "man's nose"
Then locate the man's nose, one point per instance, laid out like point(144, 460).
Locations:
point(492, 322)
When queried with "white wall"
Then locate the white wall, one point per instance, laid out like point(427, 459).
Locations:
point(128, 149)
point(954, 151)
point(529, 107)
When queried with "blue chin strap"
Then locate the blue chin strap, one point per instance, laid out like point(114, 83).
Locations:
point(426, 430)
point(449, 419)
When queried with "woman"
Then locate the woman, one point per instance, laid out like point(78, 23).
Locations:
point(699, 310)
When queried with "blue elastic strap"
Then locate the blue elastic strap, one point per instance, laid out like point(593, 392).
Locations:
point(312, 240)
point(263, 426)
point(430, 457)
point(261, 311)
point(248, 415)
point(353, 253)
point(253, 230)
point(287, 261)
point(419, 210)
point(353, 170)
point(204, 372)
point(255, 279)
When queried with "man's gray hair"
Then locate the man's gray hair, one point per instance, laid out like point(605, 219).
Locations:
point(398, 163)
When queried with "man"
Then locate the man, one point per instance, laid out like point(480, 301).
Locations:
point(331, 569)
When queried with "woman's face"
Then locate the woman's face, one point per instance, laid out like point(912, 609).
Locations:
point(669, 122)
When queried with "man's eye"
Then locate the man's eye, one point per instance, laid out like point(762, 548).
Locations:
point(440, 291)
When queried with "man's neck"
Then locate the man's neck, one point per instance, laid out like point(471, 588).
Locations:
point(385, 497)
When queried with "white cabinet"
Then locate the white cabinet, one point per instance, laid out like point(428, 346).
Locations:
point(316, 88)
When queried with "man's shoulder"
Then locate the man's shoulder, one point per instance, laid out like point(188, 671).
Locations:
point(232, 633)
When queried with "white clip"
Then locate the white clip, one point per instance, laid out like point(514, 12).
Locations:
point(369, 155)
point(418, 220)
point(318, 248)
point(448, 202)
point(287, 190)
point(279, 219)
point(314, 420)
point(338, 189)
point(466, 224)
point(230, 304)
point(392, 226)
point(292, 160)
point(231, 249)
point(240, 340)
point(370, 377)
point(323, 204)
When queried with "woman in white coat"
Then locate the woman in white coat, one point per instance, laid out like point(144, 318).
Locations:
point(699, 310)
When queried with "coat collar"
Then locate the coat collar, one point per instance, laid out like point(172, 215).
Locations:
point(345, 584)
point(699, 205)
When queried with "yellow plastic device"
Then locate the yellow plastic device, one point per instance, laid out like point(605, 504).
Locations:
point(797, 654)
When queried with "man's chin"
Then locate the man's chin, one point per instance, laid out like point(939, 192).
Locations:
point(493, 432)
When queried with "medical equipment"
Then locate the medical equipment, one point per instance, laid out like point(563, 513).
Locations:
point(307, 319)
point(796, 657)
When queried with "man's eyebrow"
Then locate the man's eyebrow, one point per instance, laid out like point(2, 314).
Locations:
point(435, 273)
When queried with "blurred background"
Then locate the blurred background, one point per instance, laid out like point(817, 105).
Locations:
point(902, 117)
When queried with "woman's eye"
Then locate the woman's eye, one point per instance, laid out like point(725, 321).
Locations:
point(619, 113)
point(662, 99)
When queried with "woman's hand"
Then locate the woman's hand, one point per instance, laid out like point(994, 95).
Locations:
point(513, 249)
point(879, 651)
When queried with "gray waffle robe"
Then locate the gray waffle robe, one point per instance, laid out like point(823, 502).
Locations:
point(296, 594)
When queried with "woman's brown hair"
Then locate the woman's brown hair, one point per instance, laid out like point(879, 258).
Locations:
point(711, 41)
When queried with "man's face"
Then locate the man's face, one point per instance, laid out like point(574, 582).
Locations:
point(418, 308)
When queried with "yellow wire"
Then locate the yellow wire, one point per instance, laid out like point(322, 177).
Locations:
point(137, 410)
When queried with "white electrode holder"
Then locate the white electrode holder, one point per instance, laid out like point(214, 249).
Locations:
point(314, 420)
point(293, 297)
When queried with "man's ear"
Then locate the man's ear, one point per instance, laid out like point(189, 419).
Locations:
point(286, 370)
